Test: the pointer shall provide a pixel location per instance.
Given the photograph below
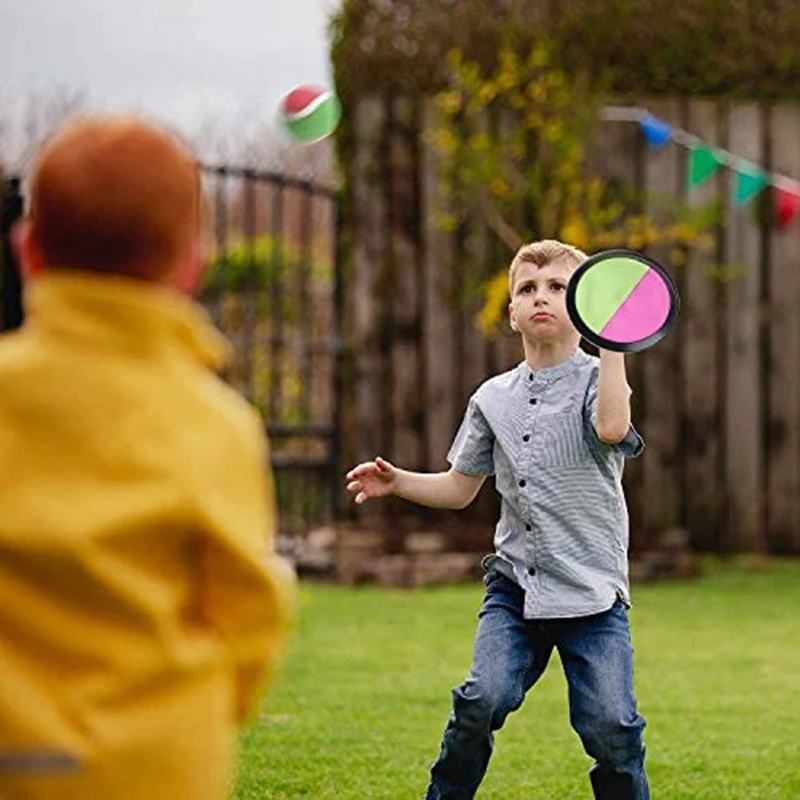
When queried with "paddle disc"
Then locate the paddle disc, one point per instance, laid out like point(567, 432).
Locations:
point(621, 300)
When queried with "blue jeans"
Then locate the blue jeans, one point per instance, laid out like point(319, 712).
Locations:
point(510, 655)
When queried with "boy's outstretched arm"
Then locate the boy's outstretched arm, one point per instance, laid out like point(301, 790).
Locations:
point(379, 478)
point(613, 398)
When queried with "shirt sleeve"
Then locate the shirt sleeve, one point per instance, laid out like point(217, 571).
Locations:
point(472, 451)
point(630, 446)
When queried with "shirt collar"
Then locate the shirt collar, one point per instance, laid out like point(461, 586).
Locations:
point(547, 375)
point(123, 313)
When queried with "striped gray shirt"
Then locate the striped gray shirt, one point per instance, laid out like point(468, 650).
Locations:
point(563, 528)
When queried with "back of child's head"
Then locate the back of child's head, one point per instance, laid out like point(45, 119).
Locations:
point(542, 254)
point(115, 195)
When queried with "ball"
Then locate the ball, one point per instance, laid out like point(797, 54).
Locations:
point(310, 113)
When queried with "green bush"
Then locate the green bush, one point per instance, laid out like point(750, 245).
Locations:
point(259, 263)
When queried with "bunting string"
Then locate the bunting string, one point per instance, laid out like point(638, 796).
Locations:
point(705, 160)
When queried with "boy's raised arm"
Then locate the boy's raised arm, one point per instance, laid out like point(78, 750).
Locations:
point(613, 398)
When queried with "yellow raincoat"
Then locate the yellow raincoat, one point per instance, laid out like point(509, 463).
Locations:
point(141, 605)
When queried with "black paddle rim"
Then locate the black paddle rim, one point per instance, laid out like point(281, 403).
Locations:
point(607, 344)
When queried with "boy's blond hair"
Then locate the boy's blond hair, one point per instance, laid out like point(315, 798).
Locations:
point(542, 254)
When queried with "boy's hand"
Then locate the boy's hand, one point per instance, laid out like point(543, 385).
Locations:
point(372, 479)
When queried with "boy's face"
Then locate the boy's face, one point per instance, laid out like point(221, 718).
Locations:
point(538, 308)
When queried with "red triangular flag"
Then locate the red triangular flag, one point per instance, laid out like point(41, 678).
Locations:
point(788, 203)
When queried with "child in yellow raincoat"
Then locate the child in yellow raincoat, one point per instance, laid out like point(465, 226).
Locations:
point(142, 607)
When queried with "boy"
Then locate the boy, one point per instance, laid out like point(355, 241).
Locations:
point(141, 606)
point(554, 432)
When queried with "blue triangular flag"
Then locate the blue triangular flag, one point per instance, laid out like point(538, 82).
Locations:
point(656, 131)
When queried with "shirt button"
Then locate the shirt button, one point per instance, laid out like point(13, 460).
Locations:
point(522, 483)
point(528, 528)
point(533, 401)
point(531, 571)
point(526, 438)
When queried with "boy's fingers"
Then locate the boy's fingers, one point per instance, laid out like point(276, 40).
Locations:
point(360, 498)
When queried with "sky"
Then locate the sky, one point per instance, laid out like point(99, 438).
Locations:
point(186, 61)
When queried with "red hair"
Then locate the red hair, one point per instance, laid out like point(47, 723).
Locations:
point(115, 195)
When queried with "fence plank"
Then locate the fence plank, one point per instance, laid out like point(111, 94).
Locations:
point(438, 329)
point(508, 344)
point(406, 395)
point(366, 310)
point(475, 344)
point(617, 152)
point(701, 354)
point(663, 182)
point(744, 464)
point(783, 440)
point(475, 246)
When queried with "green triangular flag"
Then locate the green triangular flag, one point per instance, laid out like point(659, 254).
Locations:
point(750, 180)
point(703, 163)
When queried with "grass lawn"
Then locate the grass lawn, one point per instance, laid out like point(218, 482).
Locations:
point(360, 706)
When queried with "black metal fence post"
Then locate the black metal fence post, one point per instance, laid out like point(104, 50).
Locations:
point(338, 357)
point(11, 311)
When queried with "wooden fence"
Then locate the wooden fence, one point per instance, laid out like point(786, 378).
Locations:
point(718, 401)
